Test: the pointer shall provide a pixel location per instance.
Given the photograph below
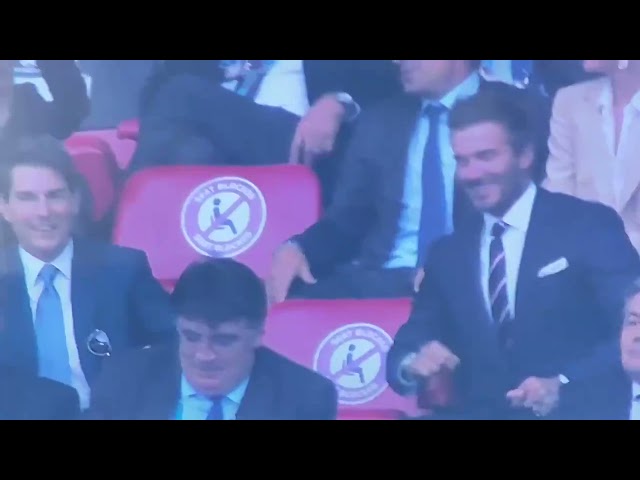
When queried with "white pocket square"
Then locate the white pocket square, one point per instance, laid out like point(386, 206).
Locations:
point(554, 267)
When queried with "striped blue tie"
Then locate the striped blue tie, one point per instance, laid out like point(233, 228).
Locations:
point(53, 356)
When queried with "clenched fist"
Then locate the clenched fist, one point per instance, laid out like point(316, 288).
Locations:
point(431, 359)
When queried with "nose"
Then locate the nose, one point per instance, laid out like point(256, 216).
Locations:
point(205, 354)
point(43, 207)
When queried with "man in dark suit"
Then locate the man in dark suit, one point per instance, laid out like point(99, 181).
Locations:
point(56, 290)
point(630, 349)
point(27, 397)
point(257, 112)
point(218, 370)
point(395, 194)
point(522, 303)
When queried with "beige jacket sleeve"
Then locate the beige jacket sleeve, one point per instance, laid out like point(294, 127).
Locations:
point(561, 171)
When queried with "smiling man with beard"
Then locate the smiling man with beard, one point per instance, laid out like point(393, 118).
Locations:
point(521, 304)
point(57, 288)
point(219, 369)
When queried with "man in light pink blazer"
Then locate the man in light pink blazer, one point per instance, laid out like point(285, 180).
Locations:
point(595, 140)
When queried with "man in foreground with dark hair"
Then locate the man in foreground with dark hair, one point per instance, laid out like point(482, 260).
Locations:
point(218, 370)
point(521, 304)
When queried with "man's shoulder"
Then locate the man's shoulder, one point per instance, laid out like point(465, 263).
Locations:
point(107, 251)
point(572, 209)
point(291, 373)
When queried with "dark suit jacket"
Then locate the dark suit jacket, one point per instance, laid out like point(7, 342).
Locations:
point(367, 81)
point(567, 323)
point(113, 290)
point(362, 221)
point(145, 385)
point(27, 397)
point(31, 114)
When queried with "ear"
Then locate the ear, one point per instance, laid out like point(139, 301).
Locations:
point(4, 208)
point(527, 158)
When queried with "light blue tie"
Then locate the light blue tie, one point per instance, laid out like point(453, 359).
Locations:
point(53, 357)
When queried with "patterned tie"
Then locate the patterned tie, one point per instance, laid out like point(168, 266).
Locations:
point(53, 356)
point(498, 296)
point(433, 219)
point(216, 412)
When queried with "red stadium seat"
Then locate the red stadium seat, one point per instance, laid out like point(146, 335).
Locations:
point(122, 149)
point(328, 335)
point(180, 214)
point(94, 160)
point(129, 129)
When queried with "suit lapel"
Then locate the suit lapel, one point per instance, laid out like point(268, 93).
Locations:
point(85, 285)
point(599, 153)
point(259, 402)
point(17, 334)
point(539, 240)
point(630, 158)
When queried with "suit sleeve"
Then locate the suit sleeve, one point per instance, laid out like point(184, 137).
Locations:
point(323, 403)
point(70, 104)
point(150, 306)
point(561, 174)
point(613, 265)
point(69, 405)
point(337, 237)
point(425, 324)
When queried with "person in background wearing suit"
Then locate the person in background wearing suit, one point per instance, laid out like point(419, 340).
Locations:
point(630, 347)
point(218, 370)
point(257, 112)
point(28, 397)
point(595, 140)
point(521, 304)
point(396, 193)
point(58, 289)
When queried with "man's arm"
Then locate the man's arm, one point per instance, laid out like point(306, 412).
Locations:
point(150, 306)
point(425, 324)
point(338, 235)
point(613, 265)
point(70, 104)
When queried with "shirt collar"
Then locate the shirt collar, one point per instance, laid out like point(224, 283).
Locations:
point(33, 265)
point(605, 101)
point(519, 215)
point(236, 395)
point(467, 88)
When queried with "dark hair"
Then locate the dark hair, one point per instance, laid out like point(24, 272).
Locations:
point(500, 103)
point(40, 151)
point(216, 291)
point(474, 64)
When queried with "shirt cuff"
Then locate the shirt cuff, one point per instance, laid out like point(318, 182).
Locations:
point(352, 109)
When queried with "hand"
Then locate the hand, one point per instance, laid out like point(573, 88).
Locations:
point(417, 280)
point(317, 131)
point(539, 394)
point(432, 359)
point(289, 263)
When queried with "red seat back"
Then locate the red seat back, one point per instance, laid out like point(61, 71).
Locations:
point(129, 129)
point(93, 158)
point(346, 341)
point(169, 213)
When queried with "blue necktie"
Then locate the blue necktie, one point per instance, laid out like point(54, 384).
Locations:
point(216, 412)
point(433, 217)
point(53, 357)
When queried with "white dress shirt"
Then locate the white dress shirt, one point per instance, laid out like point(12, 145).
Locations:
point(62, 283)
point(631, 111)
point(635, 405)
point(513, 240)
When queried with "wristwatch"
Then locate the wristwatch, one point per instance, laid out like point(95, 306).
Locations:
point(352, 109)
point(563, 379)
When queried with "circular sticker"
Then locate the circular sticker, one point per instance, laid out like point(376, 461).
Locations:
point(354, 357)
point(224, 217)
